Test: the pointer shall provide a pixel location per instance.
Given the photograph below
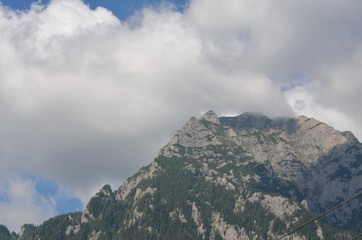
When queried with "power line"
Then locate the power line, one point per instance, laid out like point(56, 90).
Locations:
point(316, 218)
point(355, 237)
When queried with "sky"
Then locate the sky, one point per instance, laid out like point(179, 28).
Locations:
point(91, 90)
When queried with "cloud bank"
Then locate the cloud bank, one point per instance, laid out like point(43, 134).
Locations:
point(86, 98)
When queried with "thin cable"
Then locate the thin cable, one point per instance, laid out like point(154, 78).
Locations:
point(316, 218)
point(355, 237)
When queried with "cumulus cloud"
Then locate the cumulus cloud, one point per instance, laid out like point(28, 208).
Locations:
point(20, 203)
point(87, 99)
point(86, 95)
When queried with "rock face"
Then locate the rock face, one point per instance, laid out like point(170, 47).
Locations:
point(244, 177)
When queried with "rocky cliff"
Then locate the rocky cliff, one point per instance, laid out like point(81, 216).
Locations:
point(244, 177)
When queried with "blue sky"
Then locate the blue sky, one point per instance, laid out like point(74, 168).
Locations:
point(87, 99)
point(50, 189)
point(121, 8)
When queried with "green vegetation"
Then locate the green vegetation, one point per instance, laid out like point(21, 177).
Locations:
point(4, 233)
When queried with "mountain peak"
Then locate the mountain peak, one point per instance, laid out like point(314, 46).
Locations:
point(211, 117)
point(106, 190)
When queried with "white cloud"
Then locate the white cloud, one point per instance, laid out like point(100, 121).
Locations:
point(83, 92)
point(303, 103)
point(313, 44)
point(87, 99)
point(20, 203)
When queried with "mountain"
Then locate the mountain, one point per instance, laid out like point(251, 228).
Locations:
point(244, 177)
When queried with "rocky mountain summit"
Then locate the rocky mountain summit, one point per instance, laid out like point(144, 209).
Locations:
point(244, 177)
